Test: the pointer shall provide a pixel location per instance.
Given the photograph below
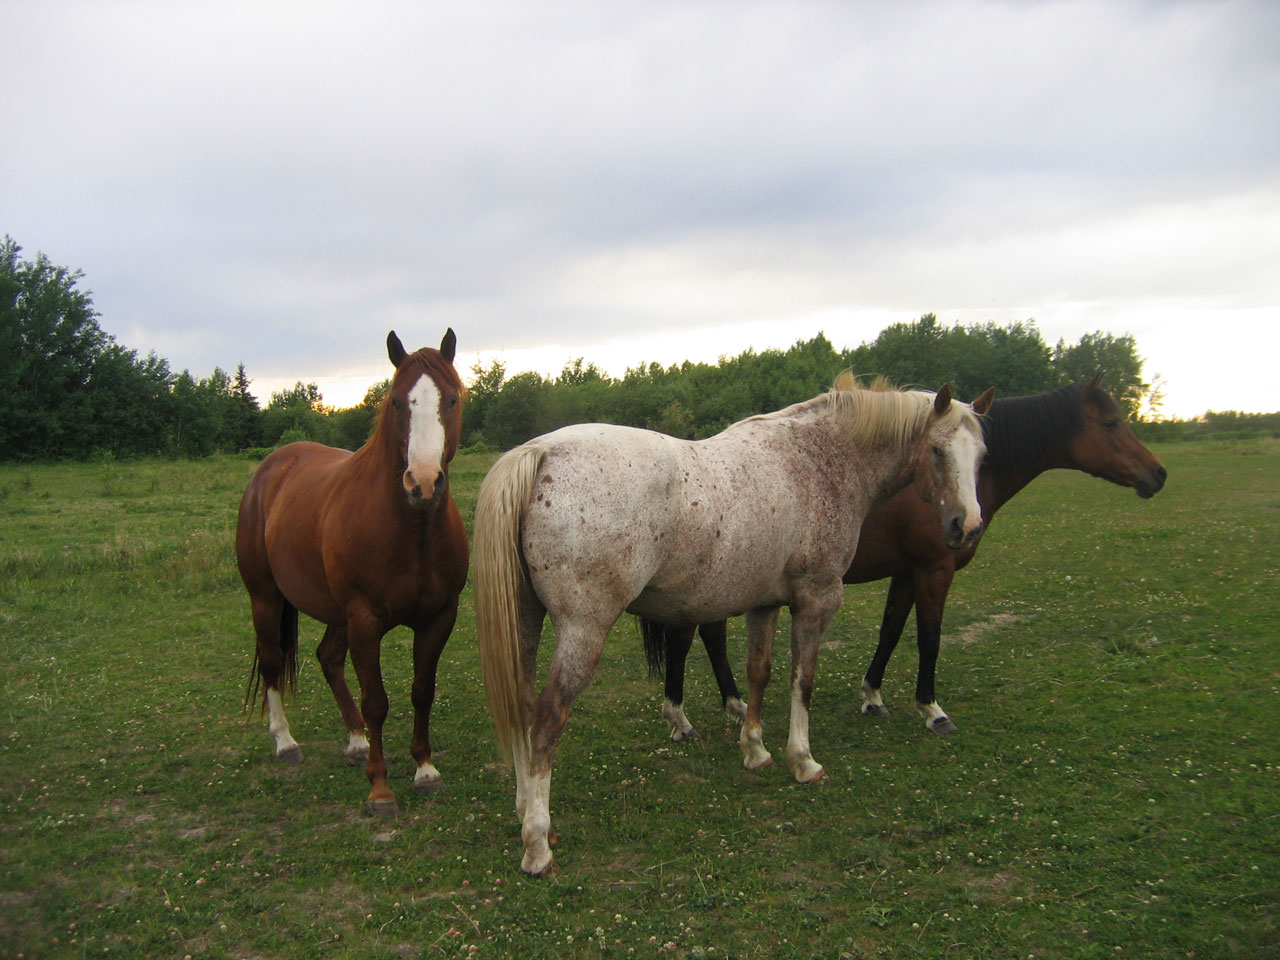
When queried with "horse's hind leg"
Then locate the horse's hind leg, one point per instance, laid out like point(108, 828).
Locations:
point(275, 621)
point(678, 641)
point(578, 649)
point(897, 607)
point(532, 616)
point(332, 654)
point(428, 643)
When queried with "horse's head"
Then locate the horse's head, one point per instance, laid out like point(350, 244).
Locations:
point(1105, 446)
point(425, 402)
point(948, 455)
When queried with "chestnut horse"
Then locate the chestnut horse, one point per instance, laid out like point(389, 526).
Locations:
point(1073, 428)
point(362, 542)
point(592, 520)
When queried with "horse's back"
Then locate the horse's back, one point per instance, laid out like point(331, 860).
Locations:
point(646, 518)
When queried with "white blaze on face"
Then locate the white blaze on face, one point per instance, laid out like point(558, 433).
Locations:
point(426, 437)
point(966, 451)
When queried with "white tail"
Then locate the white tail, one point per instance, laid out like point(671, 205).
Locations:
point(499, 578)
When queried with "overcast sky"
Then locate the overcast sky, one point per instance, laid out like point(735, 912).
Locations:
point(280, 184)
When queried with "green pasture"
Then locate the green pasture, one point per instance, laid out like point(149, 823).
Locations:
point(1113, 791)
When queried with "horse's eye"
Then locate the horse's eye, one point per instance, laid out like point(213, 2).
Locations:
point(1111, 424)
point(397, 403)
point(937, 452)
point(453, 401)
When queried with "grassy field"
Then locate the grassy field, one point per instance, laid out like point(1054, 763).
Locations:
point(1113, 791)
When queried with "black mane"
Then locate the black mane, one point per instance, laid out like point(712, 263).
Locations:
point(1022, 433)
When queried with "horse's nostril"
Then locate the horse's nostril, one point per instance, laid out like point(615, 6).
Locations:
point(439, 484)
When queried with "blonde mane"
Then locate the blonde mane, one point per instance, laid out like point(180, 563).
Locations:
point(874, 413)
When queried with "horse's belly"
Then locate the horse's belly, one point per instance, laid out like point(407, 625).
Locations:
point(709, 598)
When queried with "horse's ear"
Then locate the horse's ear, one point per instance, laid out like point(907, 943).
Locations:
point(448, 345)
point(942, 400)
point(395, 349)
point(983, 403)
point(1092, 385)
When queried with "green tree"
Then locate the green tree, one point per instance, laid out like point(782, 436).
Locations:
point(1116, 358)
point(295, 414)
point(917, 354)
point(129, 403)
point(49, 340)
point(351, 427)
point(241, 425)
point(486, 385)
point(519, 412)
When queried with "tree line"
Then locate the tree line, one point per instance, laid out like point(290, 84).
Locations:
point(68, 390)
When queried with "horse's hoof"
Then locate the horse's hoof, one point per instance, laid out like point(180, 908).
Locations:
point(682, 736)
point(809, 771)
point(358, 759)
point(384, 809)
point(537, 866)
point(764, 764)
point(293, 755)
point(875, 710)
point(943, 725)
point(429, 786)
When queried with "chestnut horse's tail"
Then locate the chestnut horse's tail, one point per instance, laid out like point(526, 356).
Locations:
point(499, 578)
point(289, 653)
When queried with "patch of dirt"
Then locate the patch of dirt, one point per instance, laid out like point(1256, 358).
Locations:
point(976, 632)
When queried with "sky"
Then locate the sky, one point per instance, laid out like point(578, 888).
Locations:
point(279, 184)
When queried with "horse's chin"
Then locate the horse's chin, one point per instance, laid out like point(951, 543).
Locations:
point(1145, 492)
point(423, 504)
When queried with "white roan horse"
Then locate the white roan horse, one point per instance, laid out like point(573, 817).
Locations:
point(594, 520)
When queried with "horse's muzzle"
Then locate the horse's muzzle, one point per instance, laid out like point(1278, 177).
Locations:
point(419, 497)
point(1147, 487)
point(957, 538)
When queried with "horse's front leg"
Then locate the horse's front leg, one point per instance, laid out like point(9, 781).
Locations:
point(715, 637)
point(761, 626)
point(897, 607)
point(931, 596)
point(428, 643)
point(364, 637)
point(332, 654)
point(809, 621)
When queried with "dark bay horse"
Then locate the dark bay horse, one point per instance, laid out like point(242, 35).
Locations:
point(1073, 428)
point(593, 520)
point(362, 542)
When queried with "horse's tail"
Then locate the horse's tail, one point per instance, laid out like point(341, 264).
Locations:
point(654, 635)
point(289, 652)
point(499, 578)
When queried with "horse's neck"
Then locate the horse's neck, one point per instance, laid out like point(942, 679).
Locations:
point(878, 469)
point(379, 469)
point(996, 488)
point(998, 485)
